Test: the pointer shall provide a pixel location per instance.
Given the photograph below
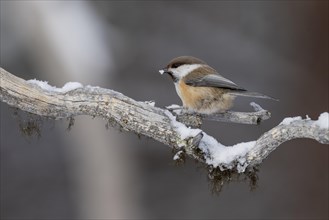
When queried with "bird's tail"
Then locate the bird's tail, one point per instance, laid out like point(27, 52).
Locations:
point(252, 94)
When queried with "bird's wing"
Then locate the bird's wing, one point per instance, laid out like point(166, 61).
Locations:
point(212, 80)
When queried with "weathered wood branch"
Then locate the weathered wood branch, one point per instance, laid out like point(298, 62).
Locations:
point(154, 122)
point(254, 118)
point(270, 140)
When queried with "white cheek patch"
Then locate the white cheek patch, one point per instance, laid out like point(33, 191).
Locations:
point(185, 69)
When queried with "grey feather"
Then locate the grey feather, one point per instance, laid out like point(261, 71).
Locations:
point(213, 80)
point(251, 94)
point(218, 81)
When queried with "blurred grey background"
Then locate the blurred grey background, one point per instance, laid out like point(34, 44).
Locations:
point(279, 48)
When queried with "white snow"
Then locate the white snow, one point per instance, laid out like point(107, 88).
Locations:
point(288, 121)
point(161, 72)
point(66, 88)
point(42, 84)
point(70, 86)
point(177, 155)
point(220, 155)
point(184, 131)
point(173, 106)
point(323, 120)
point(223, 156)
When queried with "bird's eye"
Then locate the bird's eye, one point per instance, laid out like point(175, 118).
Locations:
point(175, 65)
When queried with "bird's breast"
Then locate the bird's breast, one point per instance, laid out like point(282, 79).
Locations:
point(203, 99)
point(190, 95)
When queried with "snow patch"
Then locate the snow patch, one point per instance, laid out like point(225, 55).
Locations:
point(173, 106)
point(70, 86)
point(216, 153)
point(66, 88)
point(42, 84)
point(323, 121)
point(287, 121)
point(178, 155)
point(222, 156)
point(184, 131)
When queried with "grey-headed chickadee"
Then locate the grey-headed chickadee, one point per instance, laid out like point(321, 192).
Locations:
point(201, 88)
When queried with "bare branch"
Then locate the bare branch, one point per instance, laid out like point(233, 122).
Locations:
point(159, 124)
point(253, 118)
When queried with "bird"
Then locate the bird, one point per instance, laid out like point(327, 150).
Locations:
point(201, 88)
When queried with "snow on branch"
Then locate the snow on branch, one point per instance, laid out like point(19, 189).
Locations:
point(170, 127)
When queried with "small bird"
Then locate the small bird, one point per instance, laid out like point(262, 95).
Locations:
point(201, 88)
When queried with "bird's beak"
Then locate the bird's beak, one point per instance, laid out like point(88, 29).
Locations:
point(170, 73)
point(164, 70)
